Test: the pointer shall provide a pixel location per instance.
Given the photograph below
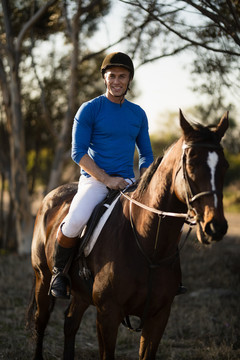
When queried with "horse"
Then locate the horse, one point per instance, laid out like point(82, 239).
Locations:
point(135, 263)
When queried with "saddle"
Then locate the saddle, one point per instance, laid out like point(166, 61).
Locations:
point(95, 217)
point(98, 212)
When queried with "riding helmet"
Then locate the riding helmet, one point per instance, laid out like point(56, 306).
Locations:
point(117, 59)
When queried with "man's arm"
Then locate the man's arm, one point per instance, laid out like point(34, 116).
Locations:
point(112, 182)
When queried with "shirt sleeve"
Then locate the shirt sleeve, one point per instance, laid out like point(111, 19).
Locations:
point(144, 145)
point(82, 131)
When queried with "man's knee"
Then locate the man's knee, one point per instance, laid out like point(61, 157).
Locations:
point(73, 226)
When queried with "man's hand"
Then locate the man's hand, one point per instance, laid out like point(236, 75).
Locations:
point(112, 182)
point(116, 183)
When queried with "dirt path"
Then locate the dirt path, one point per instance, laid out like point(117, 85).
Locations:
point(234, 224)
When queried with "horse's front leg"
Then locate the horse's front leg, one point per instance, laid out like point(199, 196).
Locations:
point(108, 321)
point(152, 333)
point(73, 317)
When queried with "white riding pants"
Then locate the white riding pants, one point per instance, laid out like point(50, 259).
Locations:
point(90, 193)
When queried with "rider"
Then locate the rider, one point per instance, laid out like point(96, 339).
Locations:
point(105, 132)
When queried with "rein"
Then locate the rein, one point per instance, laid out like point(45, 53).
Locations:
point(156, 211)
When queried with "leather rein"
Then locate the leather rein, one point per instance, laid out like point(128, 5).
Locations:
point(188, 219)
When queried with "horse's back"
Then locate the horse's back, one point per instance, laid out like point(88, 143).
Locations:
point(52, 210)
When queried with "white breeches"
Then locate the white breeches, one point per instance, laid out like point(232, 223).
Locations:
point(90, 193)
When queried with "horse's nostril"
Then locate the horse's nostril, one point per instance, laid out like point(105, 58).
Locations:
point(215, 229)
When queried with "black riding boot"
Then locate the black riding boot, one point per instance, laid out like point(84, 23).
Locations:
point(60, 281)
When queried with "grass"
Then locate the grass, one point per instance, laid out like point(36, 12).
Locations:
point(203, 325)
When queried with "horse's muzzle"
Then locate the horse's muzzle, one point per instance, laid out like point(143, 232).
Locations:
point(211, 231)
point(216, 230)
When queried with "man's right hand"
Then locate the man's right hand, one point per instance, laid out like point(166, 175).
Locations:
point(112, 182)
point(116, 183)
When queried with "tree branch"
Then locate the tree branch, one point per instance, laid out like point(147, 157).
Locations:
point(216, 18)
point(32, 21)
point(180, 35)
point(174, 52)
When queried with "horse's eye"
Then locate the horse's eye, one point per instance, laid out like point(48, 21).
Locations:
point(193, 163)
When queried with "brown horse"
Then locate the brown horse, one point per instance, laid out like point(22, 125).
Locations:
point(135, 262)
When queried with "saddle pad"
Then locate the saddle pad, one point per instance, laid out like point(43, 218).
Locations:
point(88, 248)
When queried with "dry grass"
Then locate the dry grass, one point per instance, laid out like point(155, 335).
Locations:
point(204, 324)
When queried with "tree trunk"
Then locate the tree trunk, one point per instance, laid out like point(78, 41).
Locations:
point(19, 186)
point(58, 161)
point(12, 103)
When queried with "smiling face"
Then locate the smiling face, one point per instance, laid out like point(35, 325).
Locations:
point(116, 80)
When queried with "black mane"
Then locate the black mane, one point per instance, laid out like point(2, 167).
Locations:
point(147, 176)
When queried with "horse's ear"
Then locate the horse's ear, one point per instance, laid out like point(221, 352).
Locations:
point(222, 126)
point(186, 127)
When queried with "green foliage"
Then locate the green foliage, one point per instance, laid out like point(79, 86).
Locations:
point(38, 164)
point(22, 10)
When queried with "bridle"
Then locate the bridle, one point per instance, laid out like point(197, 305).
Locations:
point(189, 196)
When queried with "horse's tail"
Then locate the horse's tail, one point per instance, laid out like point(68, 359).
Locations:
point(31, 307)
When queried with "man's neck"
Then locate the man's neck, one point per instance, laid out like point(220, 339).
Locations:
point(115, 99)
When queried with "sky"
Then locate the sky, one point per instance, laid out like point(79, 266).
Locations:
point(162, 86)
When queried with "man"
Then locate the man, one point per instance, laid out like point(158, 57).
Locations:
point(105, 132)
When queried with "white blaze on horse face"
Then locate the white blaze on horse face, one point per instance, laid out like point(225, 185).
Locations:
point(212, 161)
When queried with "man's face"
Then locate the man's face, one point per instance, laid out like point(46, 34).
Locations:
point(116, 80)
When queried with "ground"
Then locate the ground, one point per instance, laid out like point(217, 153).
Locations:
point(204, 323)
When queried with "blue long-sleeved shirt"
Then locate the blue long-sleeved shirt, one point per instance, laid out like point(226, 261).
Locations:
point(108, 133)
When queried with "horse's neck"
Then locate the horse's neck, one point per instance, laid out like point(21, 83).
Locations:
point(159, 194)
point(161, 187)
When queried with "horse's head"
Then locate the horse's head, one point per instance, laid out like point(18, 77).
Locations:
point(199, 182)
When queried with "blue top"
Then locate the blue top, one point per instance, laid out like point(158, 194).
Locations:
point(108, 133)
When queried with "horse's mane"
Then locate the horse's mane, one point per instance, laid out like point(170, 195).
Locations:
point(147, 176)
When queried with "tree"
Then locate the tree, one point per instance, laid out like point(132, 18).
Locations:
point(12, 49)
point(211, 25)
point(209, 29)
point(174, 26)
